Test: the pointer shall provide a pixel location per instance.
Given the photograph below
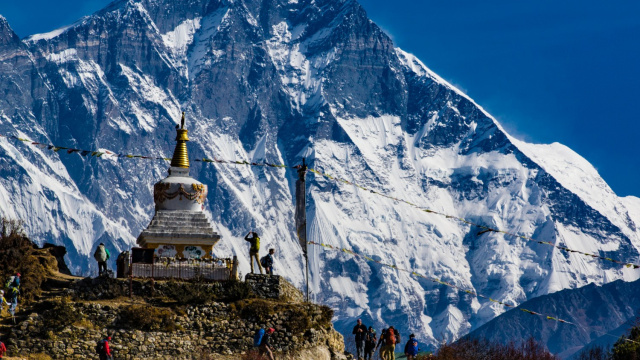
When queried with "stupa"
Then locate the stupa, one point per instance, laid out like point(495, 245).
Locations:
point(179, 227)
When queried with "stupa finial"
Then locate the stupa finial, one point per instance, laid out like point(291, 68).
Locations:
point(180, 155)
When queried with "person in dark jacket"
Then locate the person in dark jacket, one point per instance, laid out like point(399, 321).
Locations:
point(265, 345)
point(370, 344)
point(411, 348)
point(360, 331)
point(269, 262)
point(254, 250)
point(381, 342)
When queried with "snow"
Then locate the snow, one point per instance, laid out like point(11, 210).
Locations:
point(49, 35)
point(63, 56)
point(149, 92)
point(181, 37)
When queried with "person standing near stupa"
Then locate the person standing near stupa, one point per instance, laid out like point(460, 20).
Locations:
point(254, 250)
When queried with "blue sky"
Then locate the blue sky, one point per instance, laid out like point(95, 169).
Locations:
point(549, 71)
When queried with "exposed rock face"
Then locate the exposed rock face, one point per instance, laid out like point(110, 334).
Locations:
point(276, 80)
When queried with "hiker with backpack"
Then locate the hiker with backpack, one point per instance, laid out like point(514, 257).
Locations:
point(102, 255)
point(254, 250)
point(360, 331)
point(3, 349)
point(103, 350)
point(388, 350)
point(13, 288)
point(267, 262)
point(411, 348)
point(370, 344)
point(265, 344)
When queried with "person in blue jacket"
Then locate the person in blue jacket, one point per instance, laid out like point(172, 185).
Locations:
point(411, 348)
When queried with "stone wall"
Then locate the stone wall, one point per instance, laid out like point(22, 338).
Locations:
point(273, 287)
point(207, 329)
point(261, 286)
point(214, 330)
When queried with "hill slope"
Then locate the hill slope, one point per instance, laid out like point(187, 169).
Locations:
point(595, 311)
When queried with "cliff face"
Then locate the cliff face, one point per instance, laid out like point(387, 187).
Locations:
point(275, 81)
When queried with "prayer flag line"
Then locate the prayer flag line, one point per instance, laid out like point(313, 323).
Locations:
point(484, 228)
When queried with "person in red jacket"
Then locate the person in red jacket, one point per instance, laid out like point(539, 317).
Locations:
point(103, 350)
point(3, 349)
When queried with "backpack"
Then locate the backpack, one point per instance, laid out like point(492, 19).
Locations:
point(101, 254)
point(10, 282)
point(413, 347)
point(257, 337)
point(390, 337)
point(397, 333)
point(101, 347)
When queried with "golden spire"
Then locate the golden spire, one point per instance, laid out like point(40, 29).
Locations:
point(180, 156)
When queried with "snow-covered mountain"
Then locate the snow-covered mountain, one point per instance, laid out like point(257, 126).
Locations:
point(278, 80)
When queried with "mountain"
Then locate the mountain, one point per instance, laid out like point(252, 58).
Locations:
point(602, 313)
point(276, 81)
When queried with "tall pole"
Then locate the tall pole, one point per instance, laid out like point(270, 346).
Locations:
point(301, 216)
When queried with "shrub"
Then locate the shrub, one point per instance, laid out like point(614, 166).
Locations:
point(19, 254)
point(190, 293)
point(60, 315)
point(147, 318)
point(627, 350)
point(235, 290)
point(199, 291)
point(258, 310)
point(594, 353)
point(475, 349)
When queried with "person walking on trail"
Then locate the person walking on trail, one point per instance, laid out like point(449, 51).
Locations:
point(387, 352)
point(254, 251)
point(370, 344)
point(381, 343)
point(102, 255)
point(265, 345)
point(411, 348)
point(360, 331)
point(103, 350)
point(267, 262)
point(13, 288)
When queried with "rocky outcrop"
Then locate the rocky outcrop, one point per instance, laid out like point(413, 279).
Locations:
point(273, 287)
